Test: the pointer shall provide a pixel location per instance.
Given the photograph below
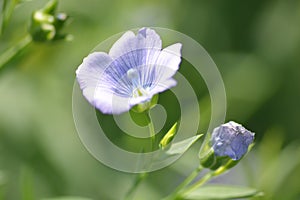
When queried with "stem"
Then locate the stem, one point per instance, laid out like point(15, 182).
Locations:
point(151, 130)
point(187, 181)
point(199, 183)
point(139, 178)
point(13, 51)
point(204, 179)
point(142, 176)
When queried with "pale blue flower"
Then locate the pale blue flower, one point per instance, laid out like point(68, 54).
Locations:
point(135, 69)
point(231, 139)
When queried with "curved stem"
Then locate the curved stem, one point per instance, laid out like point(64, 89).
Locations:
point(187, 181)
point(199, 183)
point(203, 180)
point(14, 50)
point(136, 183)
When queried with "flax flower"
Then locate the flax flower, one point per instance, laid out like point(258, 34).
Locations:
point(131, 73)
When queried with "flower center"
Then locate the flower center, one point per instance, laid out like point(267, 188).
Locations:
point(133, 76)
point(138, 90)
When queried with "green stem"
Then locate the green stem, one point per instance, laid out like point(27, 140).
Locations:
point(186, 182)
point(13, 51)
point(203, 180)
point(142, 176)
point(199, 183)
point(151, 130)
point(139, 178)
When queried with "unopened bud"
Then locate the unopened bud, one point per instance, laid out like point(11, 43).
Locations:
point(228, 143)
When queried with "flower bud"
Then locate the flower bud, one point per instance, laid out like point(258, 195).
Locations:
point(228, 143)
point(46, 24)
point(165, 141)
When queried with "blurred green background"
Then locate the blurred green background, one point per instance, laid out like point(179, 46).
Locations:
point(255, 44)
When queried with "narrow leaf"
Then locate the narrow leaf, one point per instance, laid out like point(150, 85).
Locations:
point(176, 149)
point(7, 10)
point(221, 192)
point(2, 14)
point(182, 146)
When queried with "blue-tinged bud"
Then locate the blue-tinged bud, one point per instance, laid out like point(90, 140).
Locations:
point(231, 139)
point(228, 143)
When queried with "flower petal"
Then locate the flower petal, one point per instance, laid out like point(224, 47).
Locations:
point(89, 72)
point(168, 62)
point(162, 86)
point(145, 39)
point(231, 139)
point(110, 103)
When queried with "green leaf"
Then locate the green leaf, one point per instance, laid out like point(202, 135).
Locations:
point(2, 8)
point(7, 7)
point(6, 10)
point(182, 146)
point(221, 192)
point(67, 198)
point(50, 7)
point(176, 149)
